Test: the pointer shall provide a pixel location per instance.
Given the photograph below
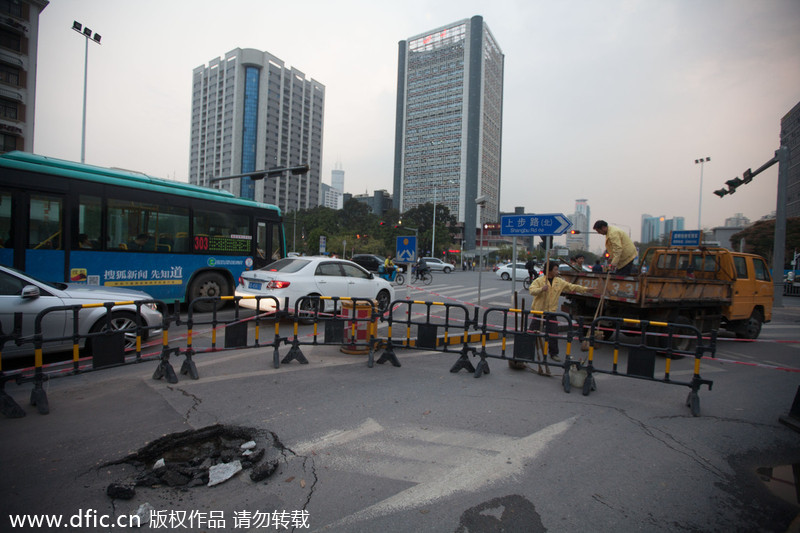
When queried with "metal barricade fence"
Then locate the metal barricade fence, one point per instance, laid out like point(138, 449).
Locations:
point(528, 339)
point(427, 330)
point(105, 341)
point(660, 338)
point(315, 309)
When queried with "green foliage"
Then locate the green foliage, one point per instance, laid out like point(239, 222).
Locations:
point(363, 230)
point(760, 237)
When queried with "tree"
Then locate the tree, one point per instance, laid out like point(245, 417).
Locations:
point(760, 237)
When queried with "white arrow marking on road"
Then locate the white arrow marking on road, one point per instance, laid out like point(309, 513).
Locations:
point(508, 462)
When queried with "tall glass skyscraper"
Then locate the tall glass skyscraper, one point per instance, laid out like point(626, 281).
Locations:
point(250, 112)
point(448, 129)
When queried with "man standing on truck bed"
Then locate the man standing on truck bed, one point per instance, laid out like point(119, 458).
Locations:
point(619, 246)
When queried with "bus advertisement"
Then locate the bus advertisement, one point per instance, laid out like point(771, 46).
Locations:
point(109, 227)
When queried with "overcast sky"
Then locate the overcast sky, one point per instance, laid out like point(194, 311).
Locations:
point(608, 100)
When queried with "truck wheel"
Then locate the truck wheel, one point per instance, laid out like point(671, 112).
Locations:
point(684, 342)
point(750, 328)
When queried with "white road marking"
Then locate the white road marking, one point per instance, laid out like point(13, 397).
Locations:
point(441, 461)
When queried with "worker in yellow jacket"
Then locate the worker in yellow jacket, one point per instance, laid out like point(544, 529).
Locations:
point(620, 248)
point(546, 290)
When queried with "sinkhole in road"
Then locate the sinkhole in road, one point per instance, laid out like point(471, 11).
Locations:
point(783, 481)
point(202, 457)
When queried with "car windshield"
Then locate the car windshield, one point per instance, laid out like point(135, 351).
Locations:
point(287, 266)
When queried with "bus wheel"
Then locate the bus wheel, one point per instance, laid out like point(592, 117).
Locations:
point(208, 285)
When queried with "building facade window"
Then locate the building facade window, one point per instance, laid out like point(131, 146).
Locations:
point(250, 129)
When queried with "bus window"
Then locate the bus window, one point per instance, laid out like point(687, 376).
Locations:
point(90, 217)
point(5, 221)
point(140, 226)
point(44, 223)
point(222, 232)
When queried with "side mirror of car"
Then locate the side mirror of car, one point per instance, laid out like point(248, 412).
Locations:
point(371, 275)
point(30, 292)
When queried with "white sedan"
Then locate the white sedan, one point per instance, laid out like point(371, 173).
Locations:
point(518, 270)
point(298, 277)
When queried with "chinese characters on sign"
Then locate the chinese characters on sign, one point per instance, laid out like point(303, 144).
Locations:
point(522, 225)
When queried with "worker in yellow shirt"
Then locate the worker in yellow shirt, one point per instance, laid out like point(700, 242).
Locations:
point(546, 291)
point(620, 248)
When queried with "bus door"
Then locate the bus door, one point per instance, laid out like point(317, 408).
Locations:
point(7, 240)
point(44, 244)
point(266, 244)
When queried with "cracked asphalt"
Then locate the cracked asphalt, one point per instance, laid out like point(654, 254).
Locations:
point(417, 448)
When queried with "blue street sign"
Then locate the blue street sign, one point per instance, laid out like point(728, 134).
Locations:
point(685, 238)
point(407, 249)
point(522, 225)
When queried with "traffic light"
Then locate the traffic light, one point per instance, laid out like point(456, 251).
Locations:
point(547, 241)
point(381, 223)
point(606, 256)
point(358, 236)
point(747, 177)
point(574, 232)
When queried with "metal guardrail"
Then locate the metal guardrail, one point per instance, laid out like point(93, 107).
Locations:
point(353, 323)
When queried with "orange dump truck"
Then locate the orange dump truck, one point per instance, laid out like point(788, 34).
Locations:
point(708, 288)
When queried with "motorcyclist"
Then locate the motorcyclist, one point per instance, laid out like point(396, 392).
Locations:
point(389, 268)
point(421, 268)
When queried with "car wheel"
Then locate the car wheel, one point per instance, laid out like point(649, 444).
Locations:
point(447, 270)
point(504, 276)
point(120, 321)
point(307, 310)
point(384, 300)
point(208, 285)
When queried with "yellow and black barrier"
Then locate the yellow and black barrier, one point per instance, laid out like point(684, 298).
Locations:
point(528, 340)
point(670, 340)
point(235, 329)
point(427, 330)
point(354, 330)
point(106, 341)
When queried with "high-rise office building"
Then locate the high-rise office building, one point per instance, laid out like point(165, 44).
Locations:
point(250, 112)
point(580, 222)
point(19, 38)
point(337, 179)
point(790, 137)
point(448, 129)
point(656, 228)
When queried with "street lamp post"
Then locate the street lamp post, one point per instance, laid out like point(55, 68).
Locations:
point(701, 161)
point(481, 201)
point(95, 37)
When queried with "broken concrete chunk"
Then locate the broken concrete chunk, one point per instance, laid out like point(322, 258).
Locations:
point(223, 472)
point(249, 445)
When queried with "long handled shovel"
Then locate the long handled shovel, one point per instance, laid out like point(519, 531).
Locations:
point(585, 342)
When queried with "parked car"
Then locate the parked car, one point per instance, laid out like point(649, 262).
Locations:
point(438, 265)
point(296, 277)
point(22, 293)
point(373, 262)
point(517, 270)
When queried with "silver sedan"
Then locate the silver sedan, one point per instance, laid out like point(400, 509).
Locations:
point(28, 296)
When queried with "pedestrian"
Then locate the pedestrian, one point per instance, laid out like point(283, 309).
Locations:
point(619, 246)
point(546, 290)
point(579, 259)
point(597, 267)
